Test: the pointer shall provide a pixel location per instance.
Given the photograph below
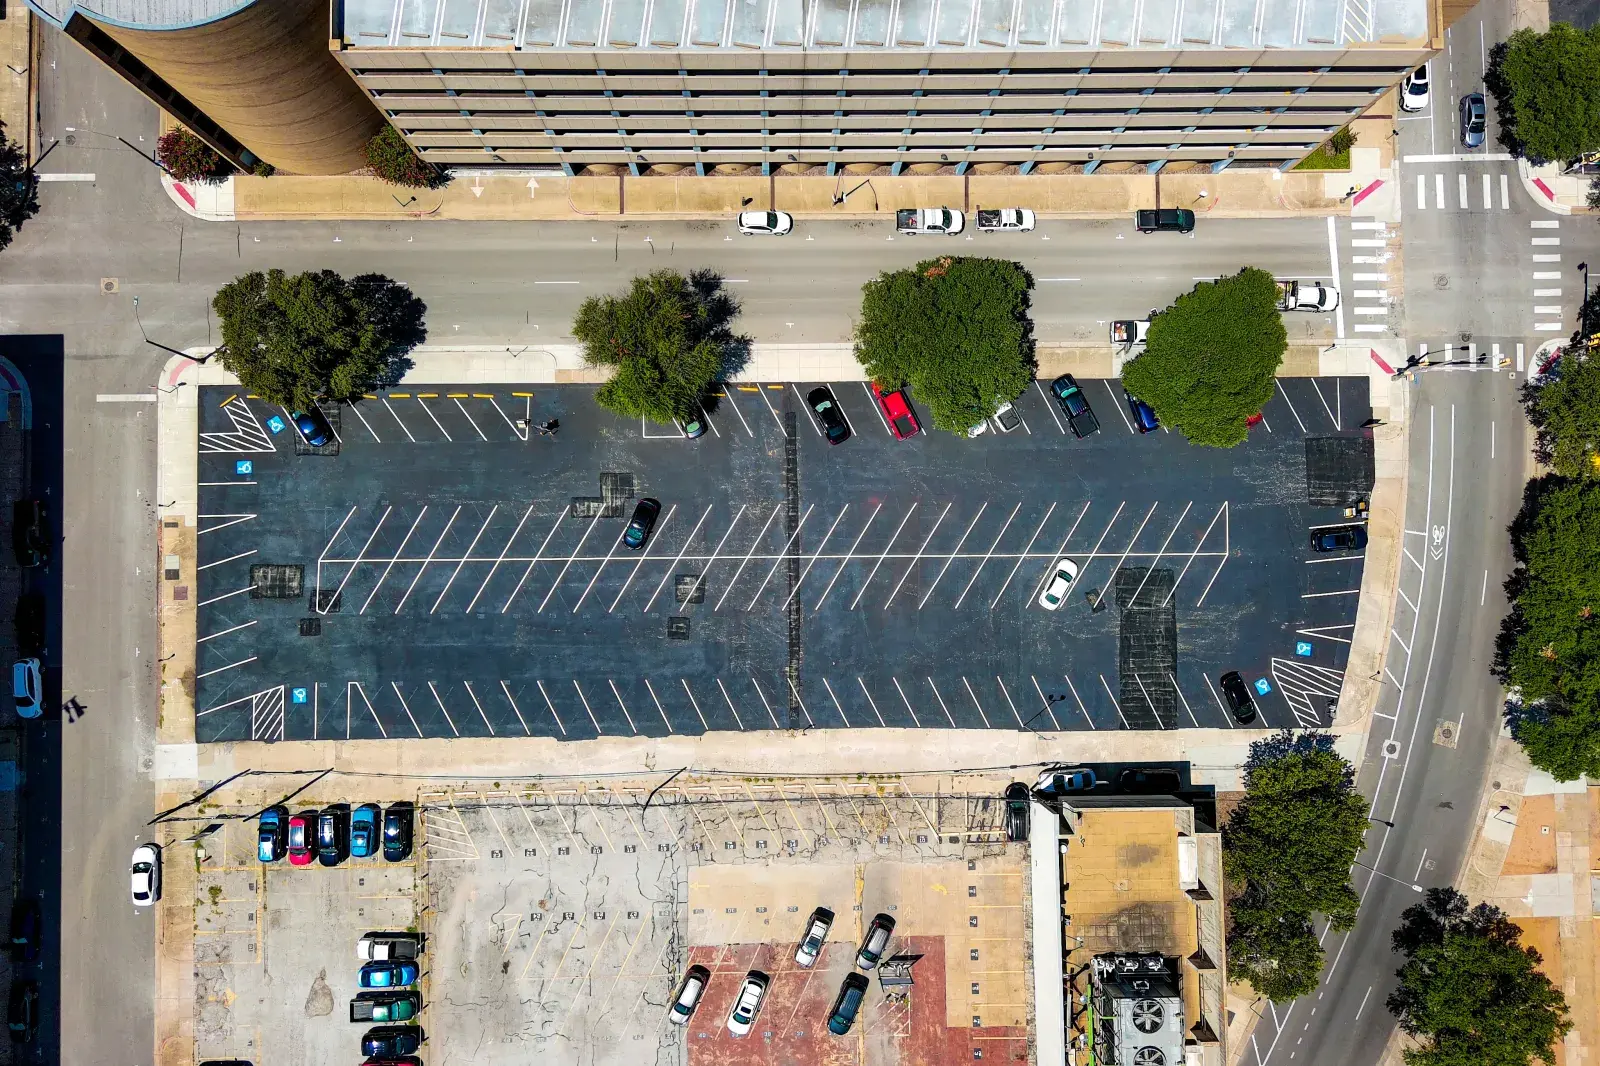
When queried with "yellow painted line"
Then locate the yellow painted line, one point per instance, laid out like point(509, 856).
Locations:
point(778, 387)
point(368, 396)
point(251, 396)
point(229, 400)
point(720, 395)
point(399, 396)
point(522, 394)
point(427, 395)
point(456, 396)
point(483, 396)
point(749, 388)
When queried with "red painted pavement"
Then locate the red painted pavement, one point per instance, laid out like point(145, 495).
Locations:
point(1544, 188)
point(188, 199)
point(1376, 358)
point(1364, 193)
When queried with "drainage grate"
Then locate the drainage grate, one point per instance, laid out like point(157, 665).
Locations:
point(587, 507)
point(331, 413)
point(326, 601)
point(616, 489)
point(1339, 470)
point(678, 627)
point(311, 627)
point(276, 581)
point(1147, 648)
point(690, 589)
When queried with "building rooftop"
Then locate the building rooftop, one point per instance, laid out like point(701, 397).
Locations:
point(143, 14)
point(856, 25)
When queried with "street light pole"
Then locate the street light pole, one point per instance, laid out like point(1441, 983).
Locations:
point(1409, 884)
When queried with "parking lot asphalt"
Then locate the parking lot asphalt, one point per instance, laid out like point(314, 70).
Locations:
point(473, 581)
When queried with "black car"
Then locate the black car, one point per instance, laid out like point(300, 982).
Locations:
point(26, 924)
point(30, 538)
point(30, 619)
point(847, 1004)
point(1237, 693)
point(397, 832)
point(1169, 219)
point(1075, 405)
point(1338, 538)
point(1151, 782)
point(23, 1012)
point(826, 408)
point(1016, 811)
point(333, 834)
point(391, 1040)
point(645, 513)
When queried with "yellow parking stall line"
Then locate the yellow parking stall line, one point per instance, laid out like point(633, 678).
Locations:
point(906, 794)
point(748, 388)
point(633, 1015)
point(561, 1027)
point(561, 817)
point(368, 396)
point(229, 400)
point(720, 395)
point(737, 828)
point(427, 395)
point(456, 396)
point(689, 802)
point(759, 812)
point(399, 396)
point(523, 976)
point(489, 810)
point(537, 836)
point(511, 937)
point(804, 833)
point(575, 934)
point(483, 396)
point(778, 387)
point(523, 395)
point(597, 821)
point(626, 809)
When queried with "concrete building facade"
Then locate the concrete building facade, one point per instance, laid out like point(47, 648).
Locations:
point(732, 85)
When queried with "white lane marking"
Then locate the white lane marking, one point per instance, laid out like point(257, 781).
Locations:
point(431, 553)
point(126, 397)
point(1545, 292)
point(1547, 258)
point(1461, 188)
point(1488, 193)
point(1049, 405)
point(463, 561)
point(1505, 193)
point(1459, 157)
point(882, 555)
point(1547, 309)
point(1547, 327)
point(1547, 275)
point(1438, 189)
point(917, 558)
point(1333, 269)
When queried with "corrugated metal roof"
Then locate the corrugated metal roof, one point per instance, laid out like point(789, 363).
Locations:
point(917, 25)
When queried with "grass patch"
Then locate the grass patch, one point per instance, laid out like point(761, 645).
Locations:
point(1322, 159)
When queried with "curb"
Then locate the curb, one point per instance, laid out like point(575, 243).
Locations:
point(1539, 191)
point(209, 203)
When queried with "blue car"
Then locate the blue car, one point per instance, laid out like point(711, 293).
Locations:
point(364, 831)
point(313, 426)
point(1144, 419)
point(272, 836)
point(387, 975)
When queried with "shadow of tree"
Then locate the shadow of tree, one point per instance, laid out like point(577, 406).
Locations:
point(399, 318)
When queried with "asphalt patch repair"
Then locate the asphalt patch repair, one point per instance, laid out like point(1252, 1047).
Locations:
point(447, 569)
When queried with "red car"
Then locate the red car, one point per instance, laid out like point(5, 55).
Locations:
point(302, 848)
point(897, 412)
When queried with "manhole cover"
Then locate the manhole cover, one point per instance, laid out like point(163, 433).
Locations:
point(1441, 281)
point(108, 285)
point(311, 627)
point(1445, 734)
point(678, 627)
point(70, 139)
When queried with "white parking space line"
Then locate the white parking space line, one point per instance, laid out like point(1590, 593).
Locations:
point(568, 565)
point(1095, 551)
point(988, 554)
point(1197, 546)
point(646, 553)
point(801, 702)
point(918, 557)
point(435, 418)
point(1114, 702)
point(951, 557)
point(600, 569)
point(849, 557)
point(406, 706)
point(806, 407)
point(390, 566)
point(626, 713)
point(431, 553)
point(1285, 395)
point(657, 701)
point(1174, 683)
point(481, 714)
point(873, 401)
point(1227, 716)
point(836, 704)
point(1116, 402)
point(520, 434)
point(515, 709)
point(468, 414)
point(442, 707)
point(399, 420)
point(1026, 551)
point(981, 712)
point(463, 560)
point(727, 395)
point(776, 417)
point(1331, 416)
point(1009, 701)
point(1157, 560)
point(497, 562)
point(813, 560)
point(1124, 556)
point(547, 702)
point(585, 701)
point(781, 556)
point(884, 554)
point(531, 563)
point(1079, 700)
point(706, 726)
point(870, 701)
point(707, 416)
point(1049, 405)
point(907, 702)
point(355, 409)
point(761, 536)
point(948, 716)
point(768, 706)
point(1061, 550)
point(1044, 701)
point(701, 580)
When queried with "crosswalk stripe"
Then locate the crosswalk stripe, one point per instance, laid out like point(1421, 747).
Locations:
point(1547, 310)
point(1488, 194)
point(1369, 277)
point(1505, 194)
point(1546, 242)
point(1546, 292)
point(1520, 357)
point(1547, 275)
point(1422, 192)
point(1461, 188)
point(1371, 294)
point(1547, 327)
point(1545, 223)
point(1359, 226)
point(1547, 259)
point(1361, 243)
point(1372, 310)
point(1438, 189)
point(1364, 327)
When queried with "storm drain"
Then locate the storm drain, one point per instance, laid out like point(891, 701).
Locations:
point(587, 507)
point(331, 413)
point(326, 601)
point(678, 627)
point(616, 489)
point(1147, 648)
point(1339, 470)
point(689, 588)
point(276, 581)
point(311, 627)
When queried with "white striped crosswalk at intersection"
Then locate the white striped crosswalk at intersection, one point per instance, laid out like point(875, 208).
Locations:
point(1547, 308)
point(1463, 192)
point(1370, 254)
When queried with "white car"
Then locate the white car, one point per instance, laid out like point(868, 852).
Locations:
point(765, 223)
point(816, 935)
point(689, 993)
point(1006, 418)
point(1060, 583)
point(1414, 90)
point(27, 687)
point(146, 875)
point(978, 430)
point(386, 947)
point(747, 1004)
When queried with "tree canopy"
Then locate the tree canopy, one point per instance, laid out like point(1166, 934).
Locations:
point(1287, 851)
point(1211, 358)
point(1547, 92)
point(1564, 407)
point(1549, 646)
point(665, 340)
point(296, 339)
point(1469, 991)
point(956, 330)
point(19, 199)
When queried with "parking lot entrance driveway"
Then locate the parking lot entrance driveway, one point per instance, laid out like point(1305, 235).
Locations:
point(562, 923)
point(444, 569)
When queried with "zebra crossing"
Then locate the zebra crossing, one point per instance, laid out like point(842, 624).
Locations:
point(1438, 192)
point(1371, 252)
point(1547, 309)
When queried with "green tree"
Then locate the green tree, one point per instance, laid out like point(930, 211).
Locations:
point(187, 158)
point(1562, 740)
point(956, 330)
point(1547, 92)
point(19, 199)
point(1212, 357)
point(394, 161)
point(1469, 991)
point(296, 339)
point(1564, 407)
point(666, 340)
point(1287, 851)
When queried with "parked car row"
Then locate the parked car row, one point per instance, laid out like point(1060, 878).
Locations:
point(752, 994)
point(914, 221)
point(1056, 782)
point(30, 543)
point(334, 833)
point(22, 1007)
point(389, 964)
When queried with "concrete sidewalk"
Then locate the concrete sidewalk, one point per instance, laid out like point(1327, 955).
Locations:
point(18, 77)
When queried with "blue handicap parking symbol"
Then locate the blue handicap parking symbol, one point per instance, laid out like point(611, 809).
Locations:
point(276, 424)
point(1302, 647)
point(1263, 686)
point(244, 467)
point(297, 695)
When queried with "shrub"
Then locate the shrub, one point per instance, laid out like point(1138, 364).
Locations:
point(394, 161)
point(188, 158)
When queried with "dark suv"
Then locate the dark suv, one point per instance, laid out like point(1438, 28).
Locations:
point(1171, 219)
point(333, 834)
point(1237, 693)
point(1338, 538)
point(29, 536)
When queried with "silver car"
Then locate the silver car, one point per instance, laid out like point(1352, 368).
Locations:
point(689, 993)
point(817, 927)
point(1474, 120)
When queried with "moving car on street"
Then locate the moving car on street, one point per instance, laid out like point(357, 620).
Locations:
point(765, 223)
point(145, 875)
point(1167, 219)
point(1474, 121)
point(1307, 296)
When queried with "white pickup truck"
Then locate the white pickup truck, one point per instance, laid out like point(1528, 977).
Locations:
point(1307, 296)
point(1012, 219)
point(914, 220)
